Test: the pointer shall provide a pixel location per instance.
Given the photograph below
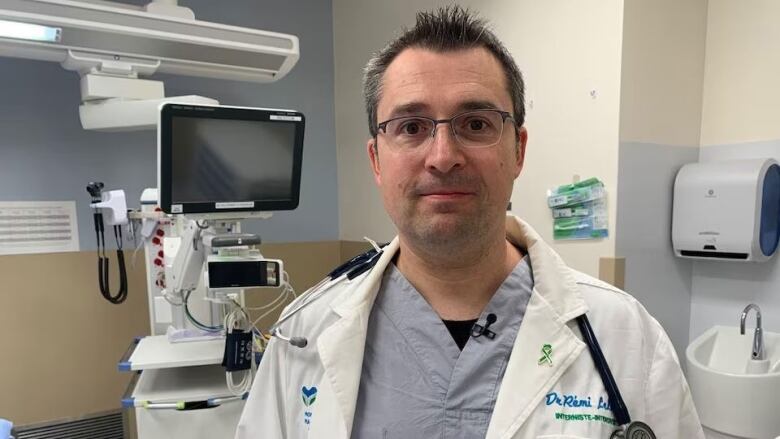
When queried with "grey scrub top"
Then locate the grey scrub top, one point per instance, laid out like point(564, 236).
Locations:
point(415, 382)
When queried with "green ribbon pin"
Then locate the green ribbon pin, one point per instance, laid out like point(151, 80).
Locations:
point(546, 352)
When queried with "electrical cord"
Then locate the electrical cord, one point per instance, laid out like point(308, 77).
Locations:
point(195, 321)
point(238, 318)
point(136, 243)
point(287, 291)
point(103, 262)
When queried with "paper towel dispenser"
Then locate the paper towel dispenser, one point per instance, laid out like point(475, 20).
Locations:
point(727, 210)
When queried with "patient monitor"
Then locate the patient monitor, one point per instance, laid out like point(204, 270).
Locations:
point(216, 167)
point(219, 159)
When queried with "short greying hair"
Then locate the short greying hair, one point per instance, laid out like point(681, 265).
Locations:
point(447, 29)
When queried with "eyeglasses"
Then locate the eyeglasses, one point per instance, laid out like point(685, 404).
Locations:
point(472, 129)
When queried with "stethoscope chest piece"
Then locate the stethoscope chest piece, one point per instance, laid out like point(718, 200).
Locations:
point(635, 430)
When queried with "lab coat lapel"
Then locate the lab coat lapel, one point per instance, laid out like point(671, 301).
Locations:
point(341, 352)
point(529, 375)
point(342, 344)
point(555, 301)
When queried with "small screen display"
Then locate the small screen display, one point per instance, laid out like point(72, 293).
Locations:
point(231, 161)
point(243, 274)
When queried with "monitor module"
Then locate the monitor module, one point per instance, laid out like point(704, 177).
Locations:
point(218, 159)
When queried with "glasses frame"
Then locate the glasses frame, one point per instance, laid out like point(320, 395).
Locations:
point(382, 127)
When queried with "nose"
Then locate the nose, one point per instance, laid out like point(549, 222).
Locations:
point(444, 153)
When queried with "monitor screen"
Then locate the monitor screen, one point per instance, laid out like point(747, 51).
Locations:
point(228, 159)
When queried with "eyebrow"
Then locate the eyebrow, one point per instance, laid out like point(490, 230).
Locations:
point(417, 108)
point(412, 108)
point(477, 105)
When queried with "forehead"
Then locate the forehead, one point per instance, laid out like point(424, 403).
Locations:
point(438, 84)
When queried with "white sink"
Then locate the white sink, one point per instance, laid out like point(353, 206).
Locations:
point(734, 394)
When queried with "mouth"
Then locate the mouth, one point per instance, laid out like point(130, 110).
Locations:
point(446, 194)
point(454, 189)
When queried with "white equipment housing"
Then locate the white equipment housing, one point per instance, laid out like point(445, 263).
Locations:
point(114, 205)
point(727, 210)
point(111, 45)
point(169, 44)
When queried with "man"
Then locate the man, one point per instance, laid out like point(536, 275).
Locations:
point(467, 324)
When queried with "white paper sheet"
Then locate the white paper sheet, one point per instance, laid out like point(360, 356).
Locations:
point(38, 227)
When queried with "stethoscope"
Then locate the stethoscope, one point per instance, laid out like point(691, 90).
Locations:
point(627, 429)
point(358, 265)
point(352, 269)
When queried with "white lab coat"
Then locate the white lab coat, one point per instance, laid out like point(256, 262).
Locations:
point(534, 401)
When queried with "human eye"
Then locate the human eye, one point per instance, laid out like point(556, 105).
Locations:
point(478, 128)
point(477, 123)
point(411, 127)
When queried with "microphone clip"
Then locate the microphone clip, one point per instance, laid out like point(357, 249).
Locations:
point(479, 330)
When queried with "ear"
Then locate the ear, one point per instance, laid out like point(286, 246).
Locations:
point(522, 139)
point(373, 156)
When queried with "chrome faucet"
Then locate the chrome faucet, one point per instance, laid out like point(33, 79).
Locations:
point(758, 338)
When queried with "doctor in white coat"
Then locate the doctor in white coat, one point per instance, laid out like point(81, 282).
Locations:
point(387, 355)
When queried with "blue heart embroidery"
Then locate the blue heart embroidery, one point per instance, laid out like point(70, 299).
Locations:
point(309, 395)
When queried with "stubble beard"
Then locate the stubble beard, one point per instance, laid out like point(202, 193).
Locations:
point(446, 232)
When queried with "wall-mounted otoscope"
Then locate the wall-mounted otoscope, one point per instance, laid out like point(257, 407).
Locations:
point(114, 205)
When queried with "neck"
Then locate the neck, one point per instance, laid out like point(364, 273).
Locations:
point(458, 284)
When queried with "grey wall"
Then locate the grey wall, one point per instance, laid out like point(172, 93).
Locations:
point(46, 155)
point(658, 279)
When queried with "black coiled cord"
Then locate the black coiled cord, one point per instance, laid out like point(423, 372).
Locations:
point(103, 263)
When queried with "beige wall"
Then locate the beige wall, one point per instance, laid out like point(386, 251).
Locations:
point(565, 48)
point(740, 120)
point(742, 68)
point(61, 340)
point(662, 71)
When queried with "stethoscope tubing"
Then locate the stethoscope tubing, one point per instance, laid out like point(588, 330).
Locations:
point(352, 268)
point(613, 392)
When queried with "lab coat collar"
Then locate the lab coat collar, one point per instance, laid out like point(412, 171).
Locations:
point(553, 279)
point(555, 302)
point(362, 290)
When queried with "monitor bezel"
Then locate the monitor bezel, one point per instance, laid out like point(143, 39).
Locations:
point(169, 111)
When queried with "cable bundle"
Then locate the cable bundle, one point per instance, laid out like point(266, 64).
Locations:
point(103, 262)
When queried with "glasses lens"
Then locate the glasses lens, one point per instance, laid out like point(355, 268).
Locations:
point(409, 132)
point(478, 129)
